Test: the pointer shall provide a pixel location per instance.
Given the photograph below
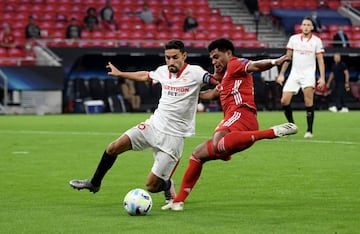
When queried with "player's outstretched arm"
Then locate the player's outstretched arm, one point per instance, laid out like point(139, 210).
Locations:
point(265, 64)
point(209, 94)
point(137, 76)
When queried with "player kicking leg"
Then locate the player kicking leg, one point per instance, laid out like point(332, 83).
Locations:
point(230, 143)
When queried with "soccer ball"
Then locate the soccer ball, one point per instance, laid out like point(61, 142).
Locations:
point(138, 202)
point(200, 107)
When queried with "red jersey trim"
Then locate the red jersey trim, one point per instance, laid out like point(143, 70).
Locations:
point(148, 77)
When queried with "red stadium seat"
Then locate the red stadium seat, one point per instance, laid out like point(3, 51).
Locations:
point(148, 44)
point(16, 53)
point(213, 27)
point(226, 27)
point(150, 35)
point(187, 36)
point(199, 44)
point(124, 35)
point(97, 35)
point(57, 34)
point(287, 5)
point(238, 36)
point(355, 36)
point(85, 34)
point(163, 36)
point(238, 27)
point(215, 34)
point(176, 34)
point(137, 35)
point(200, 36)
point(3, 53)
point(110, 35)
point(334, 4)
point(310, 5)
point(250, 36)
point(9, 62)
point(226, 19)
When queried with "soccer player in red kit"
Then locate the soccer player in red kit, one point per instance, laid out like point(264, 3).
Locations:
point(239, 129)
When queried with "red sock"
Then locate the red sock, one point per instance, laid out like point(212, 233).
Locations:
point(239, 140)
point(190, 178)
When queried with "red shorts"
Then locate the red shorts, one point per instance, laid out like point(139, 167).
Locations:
point(243, 119)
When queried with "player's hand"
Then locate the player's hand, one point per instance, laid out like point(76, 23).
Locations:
point(347, 87)
point(113, 70)
point(280, 79)
point(321, 83)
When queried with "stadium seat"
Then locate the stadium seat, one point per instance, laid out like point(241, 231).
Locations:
point(137, 35)
point(215, 34)
point(238, 36)
point(187, 36)
point(151, 44)
point(199, 36)
point(16, 53)
point(110, 36)
point(57, 34)
point(3, 53)
point(163, 36)
point(97, 35)
point(225, 27)
point(9, 62)
point(310, 5)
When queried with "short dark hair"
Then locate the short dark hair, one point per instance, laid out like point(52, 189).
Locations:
point(310, 19)
point(175, 44)
point(222, 44)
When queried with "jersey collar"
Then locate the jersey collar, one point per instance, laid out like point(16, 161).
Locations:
point(308, 39)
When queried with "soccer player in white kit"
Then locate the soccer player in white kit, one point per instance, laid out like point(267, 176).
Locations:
point(305, 49)
point(165, 130)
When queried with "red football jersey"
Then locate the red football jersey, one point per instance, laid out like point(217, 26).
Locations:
point(237, 87)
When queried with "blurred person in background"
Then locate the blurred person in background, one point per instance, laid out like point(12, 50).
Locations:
point(145, 14)
point(91, 22)
point(162, 21)
point(32, 30)
point(129, 93)
point(190, 22)
point(73, 31)
point(340, 75)
point(340, 39)
point(7, 38)
point(107, 17)
point(271, 88)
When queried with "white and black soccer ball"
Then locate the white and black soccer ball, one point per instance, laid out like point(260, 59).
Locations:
point(138, 202)
point(200, 107)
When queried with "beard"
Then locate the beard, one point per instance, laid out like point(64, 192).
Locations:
point(173, 69)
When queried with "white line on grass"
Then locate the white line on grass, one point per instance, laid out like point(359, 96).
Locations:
point(323, 141)
point(201, 137)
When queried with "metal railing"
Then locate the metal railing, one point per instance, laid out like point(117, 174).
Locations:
point(3, 107)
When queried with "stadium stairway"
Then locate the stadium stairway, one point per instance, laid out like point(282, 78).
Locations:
point(268, 34)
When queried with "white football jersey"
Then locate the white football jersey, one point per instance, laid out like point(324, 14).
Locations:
point(176, 111)
point(304, 55)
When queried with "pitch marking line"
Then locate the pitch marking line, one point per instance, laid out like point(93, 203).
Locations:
point(199, 136)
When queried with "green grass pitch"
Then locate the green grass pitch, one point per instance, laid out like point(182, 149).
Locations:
point(287, 185)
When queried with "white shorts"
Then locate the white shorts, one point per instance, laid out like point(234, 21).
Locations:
point(293, 84)
point(167, 149)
